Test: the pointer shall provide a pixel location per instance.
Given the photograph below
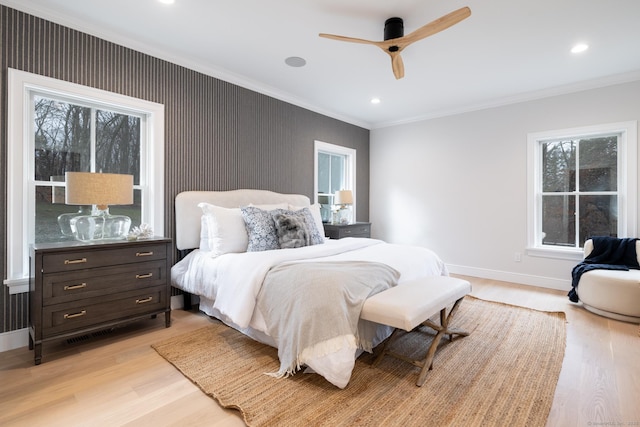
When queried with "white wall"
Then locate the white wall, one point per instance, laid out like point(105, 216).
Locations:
point(458, 184)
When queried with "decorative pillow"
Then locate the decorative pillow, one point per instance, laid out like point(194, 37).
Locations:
point(317, 219)
point(304, 214)
point(316, 234)
point(260, 228)
point(222, 230)
point(291, 229)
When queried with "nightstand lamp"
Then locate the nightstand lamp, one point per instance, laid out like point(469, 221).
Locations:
point(342, 201)
point(99, 190)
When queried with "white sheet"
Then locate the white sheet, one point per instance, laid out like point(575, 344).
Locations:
point(232, 281)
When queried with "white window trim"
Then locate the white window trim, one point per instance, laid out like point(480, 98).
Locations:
point(627, 167)
point(350, 168)
point(20, 161)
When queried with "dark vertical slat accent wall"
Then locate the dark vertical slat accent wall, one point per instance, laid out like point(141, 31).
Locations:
point(218, 136)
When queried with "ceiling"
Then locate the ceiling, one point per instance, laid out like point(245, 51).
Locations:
point(506, 51)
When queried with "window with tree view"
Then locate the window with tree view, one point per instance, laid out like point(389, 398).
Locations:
point(579, 196)
point(582, 182)
point(70, 136)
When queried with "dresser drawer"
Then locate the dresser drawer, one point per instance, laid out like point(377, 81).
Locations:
point(363, 230)
point(80, 260)
point(65, 287)
point(80, 314)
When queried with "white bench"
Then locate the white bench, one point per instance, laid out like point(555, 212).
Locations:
point(411, 304)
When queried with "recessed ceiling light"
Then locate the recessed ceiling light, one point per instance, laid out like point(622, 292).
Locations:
point(167, 1)
point(580, 47)
point(375, 100)
point(295, 61)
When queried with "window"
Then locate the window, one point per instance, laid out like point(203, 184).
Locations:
point(70, 137)
point(582, 183)
point(57, 127)
point(335, 170)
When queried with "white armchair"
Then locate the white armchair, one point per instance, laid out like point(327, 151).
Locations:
point(611, 293)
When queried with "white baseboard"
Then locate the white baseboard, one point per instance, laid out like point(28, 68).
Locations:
point(14, 339)
point(505, 276)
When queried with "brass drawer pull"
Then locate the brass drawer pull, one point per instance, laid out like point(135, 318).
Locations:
point(71, 316)
point(75, 261)
point(74, 287)
point(144, 276)
point(144, 253)
point(142, 301)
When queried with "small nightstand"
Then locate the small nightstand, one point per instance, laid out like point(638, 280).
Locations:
point(77, 288)
point(356, 229)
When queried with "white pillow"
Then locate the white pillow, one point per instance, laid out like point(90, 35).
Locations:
point(222, 230)
point(315, 212)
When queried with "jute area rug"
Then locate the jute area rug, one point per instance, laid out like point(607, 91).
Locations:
point(503, 374)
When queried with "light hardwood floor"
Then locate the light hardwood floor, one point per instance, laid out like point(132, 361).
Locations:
point(117, 379)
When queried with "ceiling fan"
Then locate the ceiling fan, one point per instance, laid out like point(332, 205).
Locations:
point(395, 40)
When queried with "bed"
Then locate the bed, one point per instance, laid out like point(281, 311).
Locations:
point(230, 262)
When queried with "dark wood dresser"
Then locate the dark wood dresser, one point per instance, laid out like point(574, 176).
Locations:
point(77, 287)
point(356, 229)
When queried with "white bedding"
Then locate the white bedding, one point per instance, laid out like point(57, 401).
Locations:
point(231, 282)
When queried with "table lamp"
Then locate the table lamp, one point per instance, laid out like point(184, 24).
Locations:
point(343, 200)
point(99, 190)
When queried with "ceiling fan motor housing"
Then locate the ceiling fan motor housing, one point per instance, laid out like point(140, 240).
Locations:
point(393, 28)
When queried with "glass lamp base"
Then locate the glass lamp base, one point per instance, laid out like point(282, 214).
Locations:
point(100, 226)
point(64, 220)
point(342, 216)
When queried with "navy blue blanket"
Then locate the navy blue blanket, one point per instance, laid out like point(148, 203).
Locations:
point(609, 253)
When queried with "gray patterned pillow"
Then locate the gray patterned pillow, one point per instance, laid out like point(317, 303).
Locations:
point(260, 228)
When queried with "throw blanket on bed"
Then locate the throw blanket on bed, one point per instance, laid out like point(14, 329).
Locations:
point(313, 308)
point(609, 253)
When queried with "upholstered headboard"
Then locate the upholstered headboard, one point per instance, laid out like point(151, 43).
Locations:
point(188, 213)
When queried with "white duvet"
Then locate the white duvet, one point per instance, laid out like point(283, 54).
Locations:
point(232, 281)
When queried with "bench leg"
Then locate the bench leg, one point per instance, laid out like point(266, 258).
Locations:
point(427, 363)
point(442, 329)
point(385, 348)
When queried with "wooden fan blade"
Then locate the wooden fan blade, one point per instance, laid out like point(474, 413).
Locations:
point(347, 39)
point(398, 65)
point(436, 26)
point(394, 46)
